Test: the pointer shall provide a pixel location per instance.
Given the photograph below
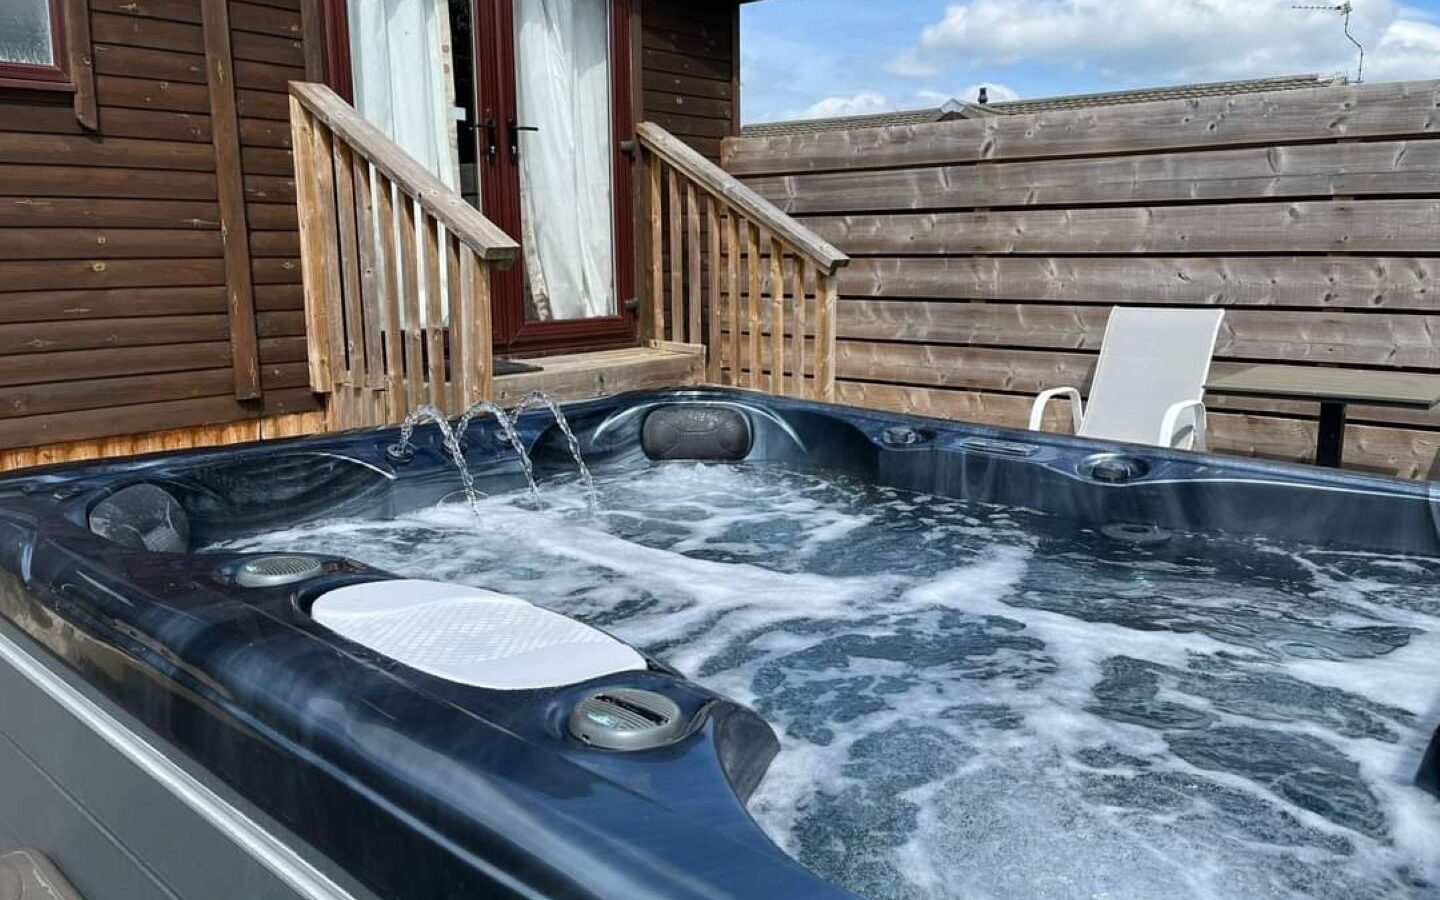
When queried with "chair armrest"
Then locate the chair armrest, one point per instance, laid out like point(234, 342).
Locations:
point(1037, 409)
point(1169, 425)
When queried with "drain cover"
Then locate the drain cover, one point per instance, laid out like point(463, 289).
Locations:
point(1114, 468)
point(626, 719)
point(1135, 533)
point(276, 570)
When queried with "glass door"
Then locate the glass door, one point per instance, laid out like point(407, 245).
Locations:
point(553, 109)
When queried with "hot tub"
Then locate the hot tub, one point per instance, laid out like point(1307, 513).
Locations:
point(993, 663)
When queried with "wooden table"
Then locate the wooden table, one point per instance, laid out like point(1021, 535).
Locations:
point(1332, 389)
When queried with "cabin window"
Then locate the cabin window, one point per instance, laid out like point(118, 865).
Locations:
point(31, 45)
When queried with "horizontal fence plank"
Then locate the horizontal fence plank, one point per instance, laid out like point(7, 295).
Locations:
point(267, 48)
point(115, 273)
point(50, 337)
point(683, 64)
point(688, 85)
point(42, 212)
point(1401, 339)
point(124, 153)
point(1355, 339)
point(1393, 109)
point(1322, 282)
point(1372, 226)
point(272, 216)
point(143, 31)
point(62, 181)
point(269, 189)
point(264, 133)
point(34, 431)
point(150, 94)
point(56, 306)
point(100, 393)
point(171, 10)
point(1248, 173)
point(264, 19)
point(141, 62)
point(108, 243)
point(120, 122)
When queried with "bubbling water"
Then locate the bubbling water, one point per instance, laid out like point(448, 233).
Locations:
point(983, 702)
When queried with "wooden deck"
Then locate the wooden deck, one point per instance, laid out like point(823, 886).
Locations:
point(581, 376)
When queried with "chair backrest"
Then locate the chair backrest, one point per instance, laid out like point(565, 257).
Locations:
point(1149, 360)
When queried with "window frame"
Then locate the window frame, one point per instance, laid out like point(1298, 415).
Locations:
point(53, 77)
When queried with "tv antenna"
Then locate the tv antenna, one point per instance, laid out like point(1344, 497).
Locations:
point(1344, 9)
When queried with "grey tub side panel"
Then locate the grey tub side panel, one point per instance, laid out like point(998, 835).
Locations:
point(111, 828)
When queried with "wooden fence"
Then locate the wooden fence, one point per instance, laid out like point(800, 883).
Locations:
point(988, 252)
point(396, 314)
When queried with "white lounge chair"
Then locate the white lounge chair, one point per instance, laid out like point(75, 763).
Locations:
point(1149, 381)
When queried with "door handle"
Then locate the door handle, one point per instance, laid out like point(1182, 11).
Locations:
point(515, 136)
point(489, 128)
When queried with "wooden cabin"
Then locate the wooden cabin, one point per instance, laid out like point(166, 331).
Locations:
point(154, 254)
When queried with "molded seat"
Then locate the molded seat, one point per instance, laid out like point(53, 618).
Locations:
point(472, 636)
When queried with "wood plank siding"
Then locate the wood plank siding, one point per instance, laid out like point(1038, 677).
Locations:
point(690, 70)
point(988, 252)
point(150, 256)
point(149, 272)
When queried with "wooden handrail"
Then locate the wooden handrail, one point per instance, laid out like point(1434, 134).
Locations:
point(730, 190)
point(396, 270)
point(766, 313)
point(441, 201)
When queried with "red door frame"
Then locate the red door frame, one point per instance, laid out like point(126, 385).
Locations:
point(500, 186)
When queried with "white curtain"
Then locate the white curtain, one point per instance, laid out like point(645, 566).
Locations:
point(563, 89)
point(402, 83)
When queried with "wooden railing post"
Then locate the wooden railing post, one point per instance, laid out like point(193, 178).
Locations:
point(735, 216)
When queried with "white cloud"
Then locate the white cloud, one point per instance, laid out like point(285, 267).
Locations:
point(856, 104)
point(1408, 49)
point(1154, 41)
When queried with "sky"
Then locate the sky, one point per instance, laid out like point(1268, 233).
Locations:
point(805, 58)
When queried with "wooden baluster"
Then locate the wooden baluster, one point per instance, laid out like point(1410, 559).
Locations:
point(753, 323)
point(732, 298)
point(390, 301)
point(777, 317)
point(482, 341)
point(414, 379)
point(349, 265)
point(457, 330)
point(677, 263)
point(656, 259)
point(312, 245)
point(712, 224)
point(434, 331)
point(824, 336)
point(369, 276)
point(692, 257)
point(462, 326)
point(330, 250)
point(798, 385)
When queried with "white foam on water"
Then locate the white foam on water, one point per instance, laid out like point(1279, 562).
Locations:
point(985, 703)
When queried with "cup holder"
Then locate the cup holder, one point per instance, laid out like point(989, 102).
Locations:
point(1113, 468)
